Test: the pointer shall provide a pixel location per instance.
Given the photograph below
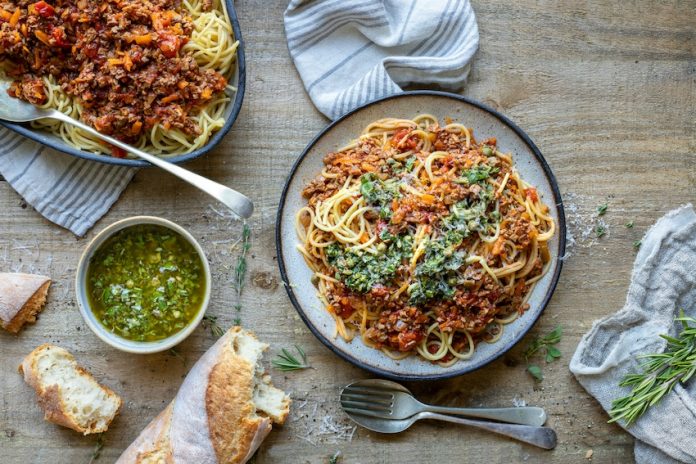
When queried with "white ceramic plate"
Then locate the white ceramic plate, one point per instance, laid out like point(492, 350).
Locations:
point(297, 275)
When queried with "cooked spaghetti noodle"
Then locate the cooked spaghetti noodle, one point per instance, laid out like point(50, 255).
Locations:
point(153, 74)
point(423, 240)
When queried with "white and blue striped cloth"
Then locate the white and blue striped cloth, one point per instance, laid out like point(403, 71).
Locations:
point(72, 192)
point(352, 52)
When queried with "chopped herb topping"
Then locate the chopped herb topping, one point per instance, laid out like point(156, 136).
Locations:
point(379, 193)
point(477, 174)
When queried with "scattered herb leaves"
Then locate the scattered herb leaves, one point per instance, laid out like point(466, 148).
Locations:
point(600, 231)
point(545, 345)
point(660, 373)
point(629, 224)
point(637, 244)
point(286, 361)
point(173, 352)
point(97, 448)
point(335, 458)
point(210, 322)
point(602, 209)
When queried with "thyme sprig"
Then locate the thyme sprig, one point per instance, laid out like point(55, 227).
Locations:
point(660, 373)
point(210, 322)
point(286, 361)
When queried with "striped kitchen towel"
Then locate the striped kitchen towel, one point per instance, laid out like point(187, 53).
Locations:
point(72, 192)
point(352, 52)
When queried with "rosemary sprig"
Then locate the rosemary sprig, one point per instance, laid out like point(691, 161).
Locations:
point(210, 322)
point(286, 361)
point(547, 345)
point(97, 448)
point(241, 269)
point(660, 373)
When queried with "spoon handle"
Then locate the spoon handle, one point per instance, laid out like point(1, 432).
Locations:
point(527, 415)
point(543, 437)
point(234, 200)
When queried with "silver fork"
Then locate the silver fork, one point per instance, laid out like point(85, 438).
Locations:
point(390, 400)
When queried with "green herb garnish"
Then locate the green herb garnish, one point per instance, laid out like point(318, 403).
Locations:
point(629, 225)
point(378, 193)
point(99, 445)
point(287, 362)
point(547, 346)
point(637, 244)
point(660, 373)
point(600, 231)
point(241, 268)
point(210, 322)
point(476, 174)
point(602, 209)
point(334, 459)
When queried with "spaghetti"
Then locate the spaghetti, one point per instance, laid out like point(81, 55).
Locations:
point(423, 240)
point(153, 74)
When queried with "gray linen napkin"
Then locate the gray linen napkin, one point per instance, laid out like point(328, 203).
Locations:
point(352, 52)
point(72, 192)
point(662, 284)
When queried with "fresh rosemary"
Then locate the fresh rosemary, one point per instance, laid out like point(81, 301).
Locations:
point(241, 269)
point(547, 345)
point(660, 373)
point(210, 322)
point(286, 361)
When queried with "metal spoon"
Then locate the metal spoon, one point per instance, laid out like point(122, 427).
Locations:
point(390, 400)
point(16, 110)
point(543, 437)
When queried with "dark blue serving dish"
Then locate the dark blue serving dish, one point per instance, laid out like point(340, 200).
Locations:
point(234, 106)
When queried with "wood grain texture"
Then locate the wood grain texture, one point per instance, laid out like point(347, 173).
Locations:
point(606, 89)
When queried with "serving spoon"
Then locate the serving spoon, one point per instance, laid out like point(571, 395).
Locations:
point(16, 110)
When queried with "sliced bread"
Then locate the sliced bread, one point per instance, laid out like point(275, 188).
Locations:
point(22, 296)
point(67, 393)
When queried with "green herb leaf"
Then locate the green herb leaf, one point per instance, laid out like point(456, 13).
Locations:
point(602, 209)
point(637, 244)
point(335, 458)
point(241, 268)
point(659, 374)
point(629, 225)
point(535, 372)
point(210, 322)
point(97, 448)
point(286, 361)
point(600, 231)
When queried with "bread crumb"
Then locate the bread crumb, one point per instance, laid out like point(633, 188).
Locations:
point(589, 454)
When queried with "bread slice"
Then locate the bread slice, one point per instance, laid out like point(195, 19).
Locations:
point(223, 411)
point(22, 296)
point(67, 393)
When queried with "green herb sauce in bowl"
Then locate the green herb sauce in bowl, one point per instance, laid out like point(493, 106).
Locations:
point(143, 284)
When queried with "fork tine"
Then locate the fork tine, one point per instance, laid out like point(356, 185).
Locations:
point(365, 406)
point(367, 412)
point(366, 398)
point(379, 392)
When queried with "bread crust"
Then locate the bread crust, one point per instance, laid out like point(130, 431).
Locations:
point(49, 397)
point(22, 297)
point(213, 418)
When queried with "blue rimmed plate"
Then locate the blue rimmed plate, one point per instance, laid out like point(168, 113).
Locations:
point(231, 112)
point(297, 276)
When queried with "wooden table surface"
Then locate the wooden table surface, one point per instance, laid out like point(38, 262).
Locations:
point(606, 89)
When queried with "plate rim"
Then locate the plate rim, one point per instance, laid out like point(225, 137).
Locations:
point(516, 339)
point(25, 130)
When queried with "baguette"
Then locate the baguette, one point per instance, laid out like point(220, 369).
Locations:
point(22, 296)
point(67, 393)
point(223, 411)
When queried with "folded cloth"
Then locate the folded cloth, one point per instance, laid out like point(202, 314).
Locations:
point(662, 284)
point(72, 192)
point(352, 52)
